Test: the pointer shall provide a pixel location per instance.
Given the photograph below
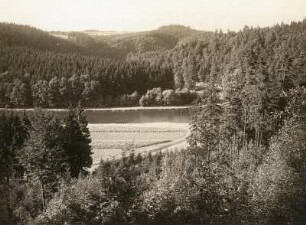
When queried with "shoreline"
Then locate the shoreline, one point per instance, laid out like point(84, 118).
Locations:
point(134, 108)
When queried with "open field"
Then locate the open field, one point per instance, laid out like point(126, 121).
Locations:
point(111, 140)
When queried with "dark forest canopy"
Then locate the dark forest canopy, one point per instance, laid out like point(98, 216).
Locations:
point(38, 69)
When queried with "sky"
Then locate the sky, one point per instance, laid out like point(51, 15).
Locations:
point(142, 15)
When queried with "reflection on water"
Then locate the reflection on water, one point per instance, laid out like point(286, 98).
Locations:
point(178, 115)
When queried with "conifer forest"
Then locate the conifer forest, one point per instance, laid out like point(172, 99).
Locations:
point(244, 161)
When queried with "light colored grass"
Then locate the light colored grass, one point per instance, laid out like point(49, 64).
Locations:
point(111, 140)
point(136, 137)
point(125, 144)
point(154, 132)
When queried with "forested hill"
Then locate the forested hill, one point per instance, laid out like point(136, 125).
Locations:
point(38, 69)
point(26, 36)
point(97, 43)
point(278, 51)
point(119, 44)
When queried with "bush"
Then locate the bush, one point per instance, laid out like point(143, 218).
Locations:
point(85, 200)
point(167, 97)
point(278, 189)
point(152, 97)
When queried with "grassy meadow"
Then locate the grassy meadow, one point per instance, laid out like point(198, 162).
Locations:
point(111, 140)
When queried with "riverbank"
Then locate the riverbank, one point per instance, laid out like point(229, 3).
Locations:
point(136, 108)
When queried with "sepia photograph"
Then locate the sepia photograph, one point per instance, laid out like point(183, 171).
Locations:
point(152, 112)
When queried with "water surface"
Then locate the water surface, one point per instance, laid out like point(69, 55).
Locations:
point(127, 115)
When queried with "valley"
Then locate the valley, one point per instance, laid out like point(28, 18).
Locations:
point(169, 125)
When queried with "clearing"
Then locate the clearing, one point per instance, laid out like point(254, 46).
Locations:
point(110, 141)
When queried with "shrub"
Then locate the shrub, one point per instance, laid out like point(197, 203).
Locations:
point(152, 97)
point(168, 97)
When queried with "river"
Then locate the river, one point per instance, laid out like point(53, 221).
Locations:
point(128, 115)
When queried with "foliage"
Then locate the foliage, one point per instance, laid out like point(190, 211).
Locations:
point(37, 157)
point(76, 142)
point(246, 161)
point(167, 97)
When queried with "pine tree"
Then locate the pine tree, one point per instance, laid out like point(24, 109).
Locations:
point(42, 155)
point(77, 142)
point(206, 123)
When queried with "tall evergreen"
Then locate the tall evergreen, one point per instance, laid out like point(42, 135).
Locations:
point(76, 142)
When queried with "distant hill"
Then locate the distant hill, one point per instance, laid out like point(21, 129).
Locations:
point(105, 44)
point(177, 31)
point(58, 42)
point(103, 33)
point(140, 42)
point(161, 39)
point(21, 35)
point(119, 44)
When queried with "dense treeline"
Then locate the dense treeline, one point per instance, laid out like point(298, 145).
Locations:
point(35, 78)
point(278, 51)
point(38, 152)
point(32, 77)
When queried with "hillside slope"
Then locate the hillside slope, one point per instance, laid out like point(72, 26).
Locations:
point(119, 44)
point(26, 36)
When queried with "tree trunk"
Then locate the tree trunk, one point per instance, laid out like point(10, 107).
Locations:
point(8, 199)
point(43, 194)
point(244, 129)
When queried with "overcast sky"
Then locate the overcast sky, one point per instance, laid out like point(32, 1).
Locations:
point(136, 15)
